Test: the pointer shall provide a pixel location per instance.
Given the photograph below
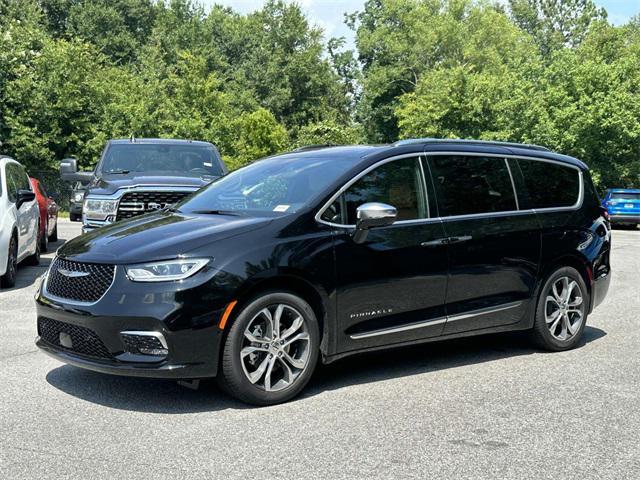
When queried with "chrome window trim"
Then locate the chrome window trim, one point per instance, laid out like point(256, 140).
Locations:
point(470, 216)
point(67, 301)
point(345, 187)
point(513, 184)
point(425, 192)
point(436, 321)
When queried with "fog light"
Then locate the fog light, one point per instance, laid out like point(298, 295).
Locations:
point(144, 343)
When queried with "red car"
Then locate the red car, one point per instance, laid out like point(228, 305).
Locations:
point(48, 215)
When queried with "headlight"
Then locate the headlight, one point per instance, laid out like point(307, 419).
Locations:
point(165, 271)
point(99, 209)
point(78, 197)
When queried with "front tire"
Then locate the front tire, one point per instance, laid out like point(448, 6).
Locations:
point(271, 350)
point(561, 313)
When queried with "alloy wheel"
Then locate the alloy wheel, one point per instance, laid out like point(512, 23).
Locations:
point(564, 308)
point(275, 347)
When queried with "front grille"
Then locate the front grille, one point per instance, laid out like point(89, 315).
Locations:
point(133, 204)
point(74, 338)
point(80, 282)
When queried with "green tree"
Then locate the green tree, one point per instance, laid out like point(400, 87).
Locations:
point(555, 24)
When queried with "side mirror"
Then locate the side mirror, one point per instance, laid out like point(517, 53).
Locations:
point(371, 215)
point(69, 172)
point(24, 196)
point(68, 165)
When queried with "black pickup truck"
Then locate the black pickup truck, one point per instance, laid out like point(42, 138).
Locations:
point(136, 176)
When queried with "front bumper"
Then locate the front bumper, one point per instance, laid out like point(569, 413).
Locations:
point(173, 311)
point(599, 289)
point(621, 219)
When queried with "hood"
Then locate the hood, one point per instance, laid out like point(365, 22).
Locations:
point(109, 184)
point(156, 236)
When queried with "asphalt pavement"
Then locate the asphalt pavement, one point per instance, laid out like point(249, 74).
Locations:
point(487, 407)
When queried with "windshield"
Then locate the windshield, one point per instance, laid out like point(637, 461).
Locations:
point(273, 186)
point(625, 196)
point(193, 160)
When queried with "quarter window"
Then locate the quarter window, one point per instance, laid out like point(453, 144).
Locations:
point(472, 185)
point(550, 185)
point(398, 183)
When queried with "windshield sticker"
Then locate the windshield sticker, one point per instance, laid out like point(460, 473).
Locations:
point(281, 208)
point(207, 164)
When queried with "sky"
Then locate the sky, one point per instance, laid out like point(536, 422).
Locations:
point(329, 14)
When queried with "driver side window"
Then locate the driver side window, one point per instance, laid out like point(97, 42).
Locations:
point(398, 183)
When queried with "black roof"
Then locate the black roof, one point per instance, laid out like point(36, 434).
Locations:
point(376, 152)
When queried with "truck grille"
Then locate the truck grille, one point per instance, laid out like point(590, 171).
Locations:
point(72, 338)
point(133, 204)
point(80, 282)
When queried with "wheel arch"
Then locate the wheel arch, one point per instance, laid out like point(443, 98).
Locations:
point(576, 261)
point(314, 295)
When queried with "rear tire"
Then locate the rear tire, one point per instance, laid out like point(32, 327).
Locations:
point(271, 350)
point(8, 280)
point(54, 235)
point(44, 239)
point(74, 217)
point(34, 260)
point(561, 312)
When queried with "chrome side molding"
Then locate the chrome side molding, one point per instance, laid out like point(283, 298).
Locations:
point(436, 321)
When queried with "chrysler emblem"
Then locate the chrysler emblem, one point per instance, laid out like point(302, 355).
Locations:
point(72, 274)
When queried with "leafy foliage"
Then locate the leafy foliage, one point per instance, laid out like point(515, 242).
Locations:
point(74, 73)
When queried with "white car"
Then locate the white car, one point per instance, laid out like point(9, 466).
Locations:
point(19, 221)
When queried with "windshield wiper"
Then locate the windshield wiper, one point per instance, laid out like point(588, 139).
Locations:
point(118, 172)
point(217, 212)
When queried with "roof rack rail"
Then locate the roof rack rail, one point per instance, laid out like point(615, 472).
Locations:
point(306, 148)
point(460, 141)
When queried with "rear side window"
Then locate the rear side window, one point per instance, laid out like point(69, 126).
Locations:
point(472, 185)
point(550, 185)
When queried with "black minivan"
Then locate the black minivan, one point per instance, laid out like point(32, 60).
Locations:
point(328, 252)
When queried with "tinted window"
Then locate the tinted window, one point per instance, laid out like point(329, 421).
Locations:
point(187, 159)
point(549, 184)
point(13, 181)
point(273, 186)
point(397, 183)
point(468, 185)
point(625, 196)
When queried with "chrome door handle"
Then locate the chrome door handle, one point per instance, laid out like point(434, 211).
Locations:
point(435, 243)
point(464, 238)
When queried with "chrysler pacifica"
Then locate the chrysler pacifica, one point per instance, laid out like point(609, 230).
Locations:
point(326, 252)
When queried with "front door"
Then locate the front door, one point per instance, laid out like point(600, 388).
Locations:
point(391, 288)
point(494, 248)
